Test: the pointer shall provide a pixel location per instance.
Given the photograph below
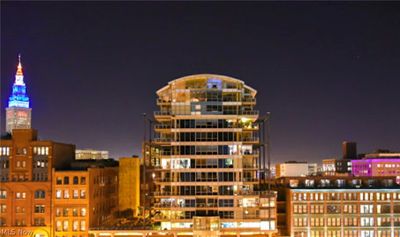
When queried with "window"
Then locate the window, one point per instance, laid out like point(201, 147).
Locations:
point(58, 193)
point(65, 226)
point(66, 194)
point(3, 194)
point(75, 180)
point(38, 222)
point(367, 221)
point(65, 212)
point(75, 194)
point(39, 209)
point(59, 180)
point(4, 151)
point(39, 194)
point(58, 212)
point(366, 209)
point(83, 212)
point(83, 225)
point(19, 209)
point(66, 180)
point(83, 193)
point(2, 221)
point(3, 208)
point(58, 226)
point(83, 180)
point(75, 226)
point(20, 195)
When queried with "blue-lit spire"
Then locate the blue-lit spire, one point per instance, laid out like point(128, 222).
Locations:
point(18, 97)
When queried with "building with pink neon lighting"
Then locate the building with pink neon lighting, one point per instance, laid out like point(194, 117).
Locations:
point(382, 165)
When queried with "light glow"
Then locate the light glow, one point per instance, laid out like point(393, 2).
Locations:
point(18, 96)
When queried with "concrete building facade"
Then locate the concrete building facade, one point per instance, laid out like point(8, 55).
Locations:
point(129, 184)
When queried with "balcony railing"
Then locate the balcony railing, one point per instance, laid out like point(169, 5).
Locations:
point(162, 139)
point(250, 139)
point(161, 113)
point(250, 112)
point(248, 99)
point(162, 126)
point(161, 101)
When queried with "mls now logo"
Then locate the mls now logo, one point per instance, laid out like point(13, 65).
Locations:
point(15, 232)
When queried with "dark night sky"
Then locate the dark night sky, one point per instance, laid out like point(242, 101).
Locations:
point(326, 71)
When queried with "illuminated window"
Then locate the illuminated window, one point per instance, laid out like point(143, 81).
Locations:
point(58, 193)
point(65, 225)
point(83, 225)
point(66, 194)
point(39, 209)
point(83, 193)
point(3, 194)
point(20, 195)
point(83, 211)
point(75, 194)
point(58, 226)
point(75, 225)
point(3, 208)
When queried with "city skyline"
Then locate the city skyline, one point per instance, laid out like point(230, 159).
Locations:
point(108, 94)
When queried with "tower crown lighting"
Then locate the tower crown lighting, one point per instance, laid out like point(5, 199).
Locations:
point(19, 97)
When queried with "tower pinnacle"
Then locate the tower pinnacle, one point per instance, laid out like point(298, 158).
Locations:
point(19, 76)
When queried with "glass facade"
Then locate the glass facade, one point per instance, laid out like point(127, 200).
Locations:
point(208, 162)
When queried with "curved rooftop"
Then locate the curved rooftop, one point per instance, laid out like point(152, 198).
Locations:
point(207, 76)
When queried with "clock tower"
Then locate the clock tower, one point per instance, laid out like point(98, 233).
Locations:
point(18, 112)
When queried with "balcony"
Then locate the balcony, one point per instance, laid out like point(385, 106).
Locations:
point(162, 140)
point(250, 112)
point(250, 180)
point(162, 113)
point(249, 100)
point(163, 102)
point(250, 139)
point(162, 126)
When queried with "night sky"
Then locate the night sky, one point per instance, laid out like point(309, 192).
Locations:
point(327, 72)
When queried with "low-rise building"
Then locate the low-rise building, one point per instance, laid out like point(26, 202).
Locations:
point(25, 175)
point(129, 184)
point(377, 164)
point(341, 207)
point(84, 196)
point(90, 154)
point(295, 169)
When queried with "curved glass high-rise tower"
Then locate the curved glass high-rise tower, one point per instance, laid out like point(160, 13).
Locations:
point(207, 169)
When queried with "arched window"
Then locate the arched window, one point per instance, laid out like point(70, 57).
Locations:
point(76, 180)
point(40, 194)
point(66, 180)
